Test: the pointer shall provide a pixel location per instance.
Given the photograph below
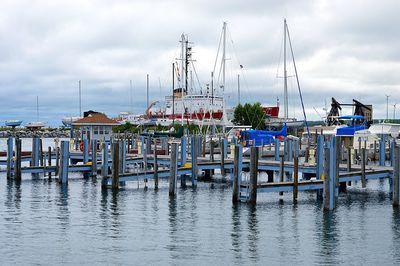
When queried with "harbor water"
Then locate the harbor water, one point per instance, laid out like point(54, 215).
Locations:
point(45, 223)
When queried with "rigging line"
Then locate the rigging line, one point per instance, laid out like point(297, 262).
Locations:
point(279, 59)
point(197, 76)
point(298, 84)
point(219, 47)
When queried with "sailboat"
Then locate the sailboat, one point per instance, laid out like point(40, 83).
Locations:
point(36, 125)
point(290, 122)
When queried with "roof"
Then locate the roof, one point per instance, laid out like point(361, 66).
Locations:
point(95, 119)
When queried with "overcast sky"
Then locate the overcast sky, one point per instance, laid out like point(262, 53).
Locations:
point(343, 49)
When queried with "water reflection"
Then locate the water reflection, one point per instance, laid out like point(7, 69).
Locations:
point(396, 234)
point(13, 199)
point(173, 228)
point(328, 238)
point(63, 208)
point(115, 212)
point(254, 232)
point(236, 232)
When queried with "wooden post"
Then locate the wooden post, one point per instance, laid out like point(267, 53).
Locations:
point(237, 171)
point(253, 175)
point(155, 169)
point(35, 151)
point(57, 161)
point(85, 151)
point(115, 168)
point(382, 150)
point(222, 150)
point(375, 152)
point(282, 171)
point(396, 177)
point(392, 147)
point(194, 153)
point(327, 179)
point(10, 155)
point(49, 160)
point(64, 158)
point(17, 167)
point(320, 162)
point(349, 159)
point(338, 144)
point(295, 178)
point(173, 170)
point(104, 167)
point(363, 159)
point(94, 157)
point(41, 155)
point(183, 150)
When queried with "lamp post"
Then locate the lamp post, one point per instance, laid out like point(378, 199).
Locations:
point(394, 111)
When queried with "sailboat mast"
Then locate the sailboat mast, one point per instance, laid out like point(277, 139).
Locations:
point(173, 94)
point(223, 77)
point(223, 57)
point(285, 92)
point(182, 60)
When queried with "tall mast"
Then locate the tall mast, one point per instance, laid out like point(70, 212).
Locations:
point(223, 77)
point(80, 99)
point(186, 65)
point(173, 94)
point(223, 56)
point(285, 93)
point(182, 60)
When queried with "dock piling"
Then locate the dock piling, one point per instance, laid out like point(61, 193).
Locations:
point(18, 154)
point(194, 154)
point(10, 142)
point(115, 164)
point(173, 170)
point(94, 157)
point(396, 177)
point(295, 178)
point(49, 159)
point(253, 175)
point(363, 162)
point(237, 171)
point(64, 158)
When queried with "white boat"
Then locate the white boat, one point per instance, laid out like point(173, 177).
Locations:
point(35, 125)
point(68, 120)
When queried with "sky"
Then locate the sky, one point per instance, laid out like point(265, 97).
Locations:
point(343, 49)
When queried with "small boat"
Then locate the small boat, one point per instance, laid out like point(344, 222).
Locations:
point(68, 120)
point(13, 123)
point(34, 125)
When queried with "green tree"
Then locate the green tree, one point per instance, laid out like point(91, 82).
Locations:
point(249, 115)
